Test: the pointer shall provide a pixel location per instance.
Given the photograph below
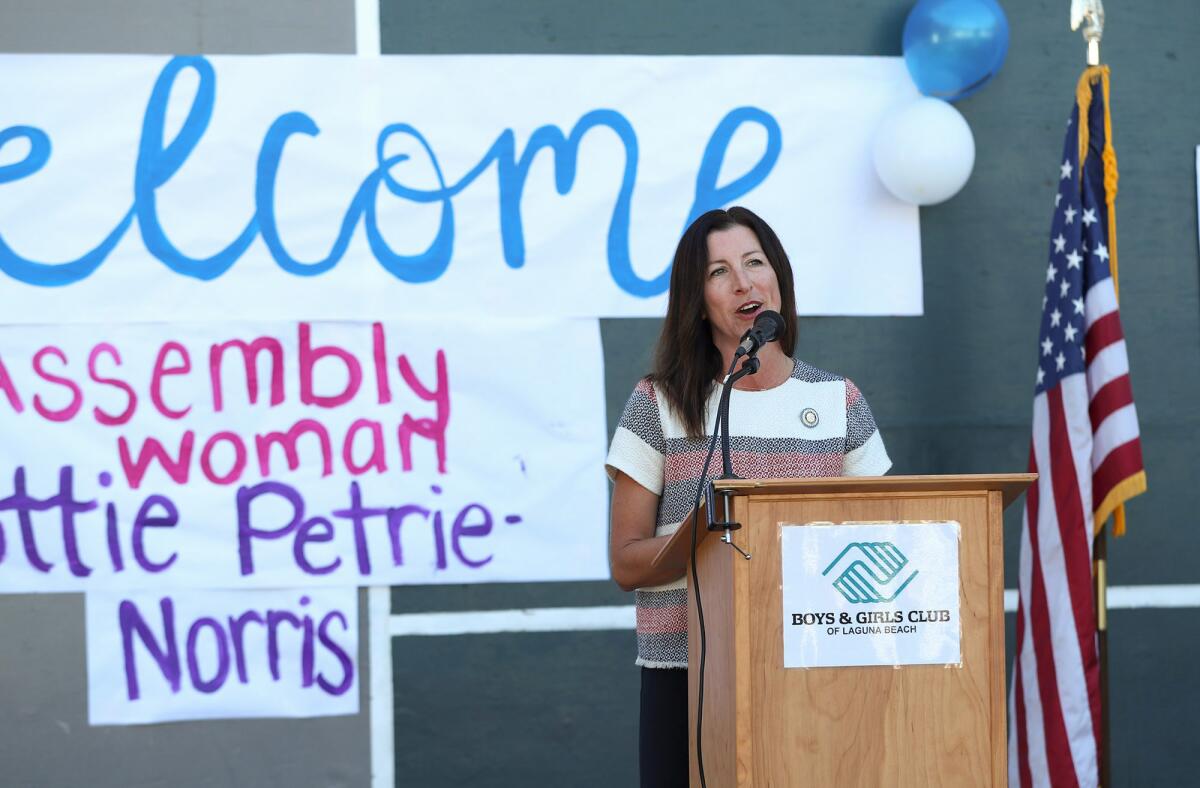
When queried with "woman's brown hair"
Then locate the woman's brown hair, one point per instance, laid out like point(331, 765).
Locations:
point(686, 362)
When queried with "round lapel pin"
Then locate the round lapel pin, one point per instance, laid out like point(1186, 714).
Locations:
point(809, 417)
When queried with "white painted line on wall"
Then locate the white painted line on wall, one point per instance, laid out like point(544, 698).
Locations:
point(379, 643)
point(1154, 596)
point(541, 619)
point(573, 619)
point(1133, 597)
point(366, 28)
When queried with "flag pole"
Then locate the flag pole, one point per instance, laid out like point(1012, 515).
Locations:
point(1101, 574)
point(1090, 14)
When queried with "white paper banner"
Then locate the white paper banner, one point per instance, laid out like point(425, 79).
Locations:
point(160, 656)
point(349, 188)
point(879, 594)
point(281, 455)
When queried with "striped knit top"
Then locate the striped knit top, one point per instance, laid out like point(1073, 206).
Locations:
point(814, 424)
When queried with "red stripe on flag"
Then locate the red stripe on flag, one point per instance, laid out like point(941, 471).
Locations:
point(1121, 463)
point(1025, 776)
point(1103, 333)
point(1112, 396)
point(1077, 560)
point(1058, 749)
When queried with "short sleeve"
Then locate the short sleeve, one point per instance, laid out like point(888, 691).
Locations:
point(638, 448)
point(865, 452)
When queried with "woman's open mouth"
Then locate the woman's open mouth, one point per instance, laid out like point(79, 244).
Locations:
point(749, 309)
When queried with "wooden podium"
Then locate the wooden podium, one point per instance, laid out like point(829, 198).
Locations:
point(916, 725)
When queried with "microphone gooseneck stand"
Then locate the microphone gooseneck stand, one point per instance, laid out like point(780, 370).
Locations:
point(705, 487)
point(728, 526)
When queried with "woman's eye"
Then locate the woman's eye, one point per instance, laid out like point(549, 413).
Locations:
point(754, 261)
point(715, 272)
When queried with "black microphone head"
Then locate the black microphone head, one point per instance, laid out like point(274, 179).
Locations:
point(767, 327)
point(770, 324)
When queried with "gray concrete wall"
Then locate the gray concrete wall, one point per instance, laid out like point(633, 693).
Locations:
point(951, 391)
point(210, 27)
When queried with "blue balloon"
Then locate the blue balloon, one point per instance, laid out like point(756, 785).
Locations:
point(953, 47)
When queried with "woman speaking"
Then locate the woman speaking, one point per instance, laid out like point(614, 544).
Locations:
point(787, 420)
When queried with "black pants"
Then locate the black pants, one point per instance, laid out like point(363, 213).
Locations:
point(663, 739)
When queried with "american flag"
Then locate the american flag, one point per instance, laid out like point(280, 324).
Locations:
point(1088, 455)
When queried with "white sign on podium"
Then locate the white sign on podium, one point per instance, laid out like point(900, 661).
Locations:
point(871, 594)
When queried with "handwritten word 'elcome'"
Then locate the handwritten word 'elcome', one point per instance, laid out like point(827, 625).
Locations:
point(158, 160)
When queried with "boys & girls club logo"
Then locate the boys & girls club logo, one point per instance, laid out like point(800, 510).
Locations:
point(870, 572)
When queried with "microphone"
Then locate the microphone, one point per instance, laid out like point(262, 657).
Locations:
point(767, 328)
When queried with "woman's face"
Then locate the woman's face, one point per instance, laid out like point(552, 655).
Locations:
point(739, 284)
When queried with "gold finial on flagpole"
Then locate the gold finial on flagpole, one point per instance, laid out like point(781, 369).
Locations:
point(1090, 14)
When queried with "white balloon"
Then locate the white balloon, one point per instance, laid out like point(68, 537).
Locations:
point(924, 151)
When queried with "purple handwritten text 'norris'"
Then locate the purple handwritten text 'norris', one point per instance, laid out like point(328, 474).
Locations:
point(231, 646)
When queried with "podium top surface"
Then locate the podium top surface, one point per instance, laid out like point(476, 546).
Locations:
point(1009, 485)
